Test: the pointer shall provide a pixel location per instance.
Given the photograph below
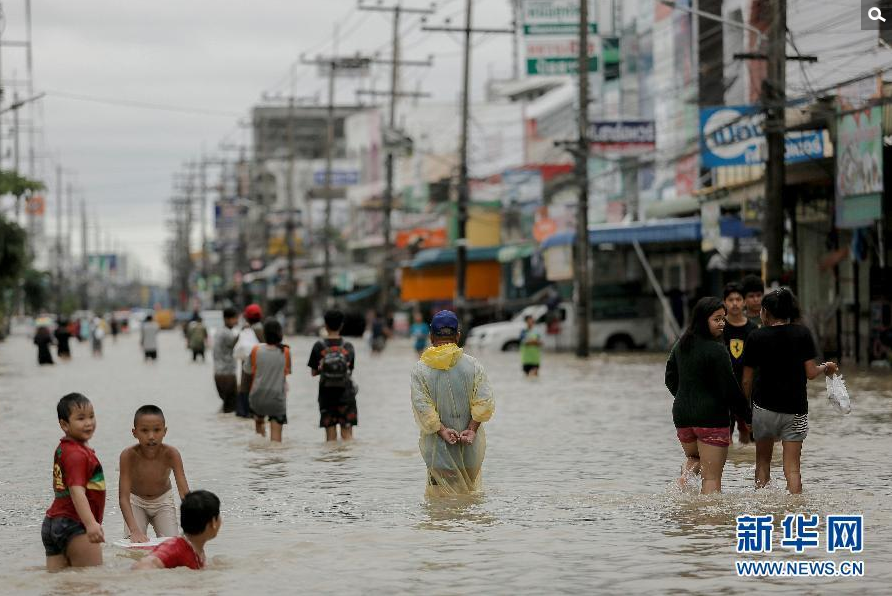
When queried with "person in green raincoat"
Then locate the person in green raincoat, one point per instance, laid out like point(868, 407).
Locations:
point(451, 399)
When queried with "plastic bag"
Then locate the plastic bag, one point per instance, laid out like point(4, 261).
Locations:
point(838, 395)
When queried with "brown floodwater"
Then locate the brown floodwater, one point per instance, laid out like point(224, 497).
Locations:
point(579, 483)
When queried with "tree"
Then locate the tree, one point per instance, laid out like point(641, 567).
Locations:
point(14, 184)
point(36, 288)
point(13, 252)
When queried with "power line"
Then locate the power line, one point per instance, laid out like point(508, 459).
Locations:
point(140, 104)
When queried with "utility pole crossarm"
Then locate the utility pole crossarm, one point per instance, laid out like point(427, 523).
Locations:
point(462, 30)
point(412, 94)
point(384, 61)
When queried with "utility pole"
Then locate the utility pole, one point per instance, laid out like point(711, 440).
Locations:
point(29, 64)
point(515, 42)
point(463, 190)
point(59, 214)
point(387, 270)
point(583, 294)
point(69, 260)
point(15, 157)
point(329, 147)
point(85, 258)
point(774, 98)
point(202, 180)
point(291, 292)
point(333, 66)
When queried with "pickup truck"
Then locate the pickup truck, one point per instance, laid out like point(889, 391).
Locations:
point(617, 334)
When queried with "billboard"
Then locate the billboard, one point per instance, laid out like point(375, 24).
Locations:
point(734, 136)
point(551, 33)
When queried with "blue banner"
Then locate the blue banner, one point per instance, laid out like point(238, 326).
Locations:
point(734, 136)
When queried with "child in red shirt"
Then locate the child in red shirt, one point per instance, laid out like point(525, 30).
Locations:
point(200, 519)
point(72, 530)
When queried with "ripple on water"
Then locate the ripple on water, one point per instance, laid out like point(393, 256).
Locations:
point(579, 483)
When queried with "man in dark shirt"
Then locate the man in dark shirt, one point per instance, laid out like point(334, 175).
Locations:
point(332, 360)
point(736, 333)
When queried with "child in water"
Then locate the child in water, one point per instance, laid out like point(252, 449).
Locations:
point(72, 529)
point(200, 519)
point(530, 348)
point(144, 491)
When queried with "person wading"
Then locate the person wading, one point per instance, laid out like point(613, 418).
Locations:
point(778, 361)
point(451, 398)
point(700, 376)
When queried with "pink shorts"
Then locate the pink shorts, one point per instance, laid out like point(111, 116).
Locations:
point(718, 437)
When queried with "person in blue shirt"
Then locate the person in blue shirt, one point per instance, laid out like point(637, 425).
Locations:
point(419, 332)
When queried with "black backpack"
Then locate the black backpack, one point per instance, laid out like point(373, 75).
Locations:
point(334, 366)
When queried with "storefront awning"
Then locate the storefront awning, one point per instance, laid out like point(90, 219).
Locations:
point(446, 256)
point(361, 294)
point(662, 231)
point(514, 252)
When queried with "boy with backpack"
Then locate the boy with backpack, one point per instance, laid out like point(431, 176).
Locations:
point(332, 360)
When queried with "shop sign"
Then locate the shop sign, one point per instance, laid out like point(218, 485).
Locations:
point(735, 136)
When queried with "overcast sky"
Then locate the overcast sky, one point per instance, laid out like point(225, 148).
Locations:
point(220, 56)
point(204, 54)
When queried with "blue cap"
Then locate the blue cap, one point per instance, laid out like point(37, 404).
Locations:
point(444, 324)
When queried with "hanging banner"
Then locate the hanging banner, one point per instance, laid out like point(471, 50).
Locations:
point(859, 156)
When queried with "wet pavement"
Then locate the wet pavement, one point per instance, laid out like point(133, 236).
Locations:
point(579, 493)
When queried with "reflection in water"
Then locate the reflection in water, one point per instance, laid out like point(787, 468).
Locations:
point(454, 512)
point(579, 492)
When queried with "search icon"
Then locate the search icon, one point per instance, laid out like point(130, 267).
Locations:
point(875, 14)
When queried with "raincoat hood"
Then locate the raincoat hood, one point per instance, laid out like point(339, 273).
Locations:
point(442, 357)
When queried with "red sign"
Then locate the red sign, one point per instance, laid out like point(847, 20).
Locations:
point(544, 228)
point(425, 237)
point(35, 205)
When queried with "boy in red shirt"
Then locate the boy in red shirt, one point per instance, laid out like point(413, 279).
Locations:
point(72, 531)
point(200, 519)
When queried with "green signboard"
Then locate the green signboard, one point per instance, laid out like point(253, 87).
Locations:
point(558, 66)
point(859, 168)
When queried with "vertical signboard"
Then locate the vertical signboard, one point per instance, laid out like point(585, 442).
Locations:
point(859, 155)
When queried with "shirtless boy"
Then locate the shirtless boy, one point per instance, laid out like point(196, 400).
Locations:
point(144, 491)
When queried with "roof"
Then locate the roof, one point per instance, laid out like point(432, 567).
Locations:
point(445, 256)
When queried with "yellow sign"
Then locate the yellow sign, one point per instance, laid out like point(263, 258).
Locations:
point(736, 346)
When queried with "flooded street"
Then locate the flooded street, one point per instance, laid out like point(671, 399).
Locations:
point(578, 494)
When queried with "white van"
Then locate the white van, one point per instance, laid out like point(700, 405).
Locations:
point(604, 334)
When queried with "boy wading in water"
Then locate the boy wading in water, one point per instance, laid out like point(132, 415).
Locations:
point(450, 391)
point(266, 368)
point(200, 518)
point(737, 331)
point(332, 360)
point(72, 531)
point(144, 491)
